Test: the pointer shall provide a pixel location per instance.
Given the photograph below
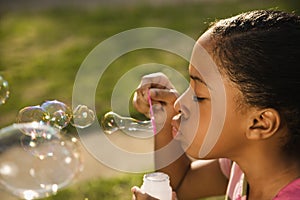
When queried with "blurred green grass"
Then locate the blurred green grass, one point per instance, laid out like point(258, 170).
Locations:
point(41, 51)
point(108, 189)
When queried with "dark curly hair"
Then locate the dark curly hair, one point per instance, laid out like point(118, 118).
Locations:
point(260, 52)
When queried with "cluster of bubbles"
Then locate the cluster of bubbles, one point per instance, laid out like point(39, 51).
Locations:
point(4, 90)
point(36, 160)
point(49, 160)
point(56, 156)
point(58, 114)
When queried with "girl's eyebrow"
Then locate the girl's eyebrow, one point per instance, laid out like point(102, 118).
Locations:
point(196, 78)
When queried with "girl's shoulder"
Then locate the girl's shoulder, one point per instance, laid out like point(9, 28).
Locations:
point(290, 191)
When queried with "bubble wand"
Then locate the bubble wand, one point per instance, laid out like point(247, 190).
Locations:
point(152, 114)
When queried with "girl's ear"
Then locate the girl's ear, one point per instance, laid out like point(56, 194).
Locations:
point(263, 124)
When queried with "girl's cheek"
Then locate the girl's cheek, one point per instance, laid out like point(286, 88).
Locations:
point(187, 135)
point(195, 130)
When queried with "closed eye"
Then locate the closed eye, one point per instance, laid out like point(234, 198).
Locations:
point(198, 99)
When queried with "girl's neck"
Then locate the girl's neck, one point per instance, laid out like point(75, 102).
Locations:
point(267, 175)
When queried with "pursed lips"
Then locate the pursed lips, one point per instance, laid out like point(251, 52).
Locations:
point(177, 134)
point(175, 125)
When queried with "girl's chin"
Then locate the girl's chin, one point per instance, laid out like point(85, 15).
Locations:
point(192, 158)
point(191, 154)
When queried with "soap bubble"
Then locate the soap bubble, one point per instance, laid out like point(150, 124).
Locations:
point(4, 90)
point(59, 113)
point(112, 122)
point(32, 114)
point(66, 157)
point(82, 116)
point(32, 170)
point(40, 143)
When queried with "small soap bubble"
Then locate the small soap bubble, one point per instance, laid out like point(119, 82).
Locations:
point(32, 114)
point(60, 119)
point(82, 116)
point(110, 122)
point(4, 90)
point(59, 113)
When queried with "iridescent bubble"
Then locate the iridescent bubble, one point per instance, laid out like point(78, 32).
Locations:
point(59, 113)
point(4, 90)
point(32, 114)
point(36, 166)
point(82, 116)
point(112, 122)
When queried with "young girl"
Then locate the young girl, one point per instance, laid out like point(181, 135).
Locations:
point(257, 153)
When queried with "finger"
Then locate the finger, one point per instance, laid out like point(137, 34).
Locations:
point(133, 190)
point(140, 103)
point(164, 95)
point(142, 92)
point(133, 197)
point(141, 195)
point(156, 80)
point(147, 86)
point(174, 196)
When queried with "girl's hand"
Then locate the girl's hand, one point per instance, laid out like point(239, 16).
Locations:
point(138, 194)
point(163, 95)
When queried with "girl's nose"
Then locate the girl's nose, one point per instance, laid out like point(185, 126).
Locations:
point(183, 103)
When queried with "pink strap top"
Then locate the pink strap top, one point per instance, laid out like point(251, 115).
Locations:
point(237, 185)
point(290, 191)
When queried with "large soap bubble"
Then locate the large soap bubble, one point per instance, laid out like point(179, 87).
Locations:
point(36, 160)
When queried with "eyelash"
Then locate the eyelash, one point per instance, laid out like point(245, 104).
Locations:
point(198, 99)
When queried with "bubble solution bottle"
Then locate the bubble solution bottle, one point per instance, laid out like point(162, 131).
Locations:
point(157, 185)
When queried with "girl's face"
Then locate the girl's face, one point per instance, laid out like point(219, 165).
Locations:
point(192, 125)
